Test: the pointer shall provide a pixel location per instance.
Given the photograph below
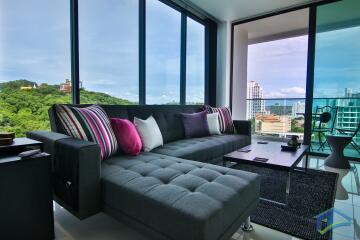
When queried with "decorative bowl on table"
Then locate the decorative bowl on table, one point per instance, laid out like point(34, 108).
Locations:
point(292, 145)
point(6, 138)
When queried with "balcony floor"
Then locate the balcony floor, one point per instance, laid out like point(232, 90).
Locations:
point(349, 151)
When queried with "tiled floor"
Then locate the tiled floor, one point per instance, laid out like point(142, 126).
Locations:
point(104, 227)
point(347, 198)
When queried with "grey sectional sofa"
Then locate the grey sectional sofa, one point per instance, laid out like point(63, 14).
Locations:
point(173, 192)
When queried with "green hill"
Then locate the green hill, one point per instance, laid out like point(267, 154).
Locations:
point(25, 109)
point(17, 84)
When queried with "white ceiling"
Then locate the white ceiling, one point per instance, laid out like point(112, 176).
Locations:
point(230, 10)
point(279, 26)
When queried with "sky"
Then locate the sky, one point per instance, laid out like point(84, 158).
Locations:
point(280, 66)
point(337, 66)
point(35, 45)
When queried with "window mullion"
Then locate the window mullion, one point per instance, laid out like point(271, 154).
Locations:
point(183, 59)
point(142, 50)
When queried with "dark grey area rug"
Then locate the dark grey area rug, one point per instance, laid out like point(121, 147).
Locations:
point(311, 193)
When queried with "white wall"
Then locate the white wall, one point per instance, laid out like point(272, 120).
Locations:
point(239, 90)
point(239, 69)
point(223, 64)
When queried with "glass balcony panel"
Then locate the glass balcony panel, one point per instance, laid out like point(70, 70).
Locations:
point(337, 124)
point(277, 119)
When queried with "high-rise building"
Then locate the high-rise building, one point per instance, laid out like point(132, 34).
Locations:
point(298, 109)
point(348, 114)
point(256, 105)
point(348, 92)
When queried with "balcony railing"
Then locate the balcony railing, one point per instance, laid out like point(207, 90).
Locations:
point(280, 118)
point(347, 117)
point(277, 118)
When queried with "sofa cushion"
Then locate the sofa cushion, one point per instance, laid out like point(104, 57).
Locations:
point(195, 124)
point(213, 123)
point(168, 117)
point(89, 124)
point(149, 132)
point(127, 136)
point(178, 198)
point(204, 149)
point(225, 119)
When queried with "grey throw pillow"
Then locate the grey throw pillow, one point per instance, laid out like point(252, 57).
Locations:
point(213, 123)
point(149, 132)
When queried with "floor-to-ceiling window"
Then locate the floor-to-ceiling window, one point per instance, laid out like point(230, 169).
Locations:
point(34, 62)
point(41, 41)
point(337, 72)
point(271, 59)
point(163, 45)
point(195, 62)
point(108, 51)
point(276, 86)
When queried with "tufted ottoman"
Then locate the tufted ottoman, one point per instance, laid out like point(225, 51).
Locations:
point(173, 198)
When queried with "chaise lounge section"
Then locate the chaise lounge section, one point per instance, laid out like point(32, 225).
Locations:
point(172, 192)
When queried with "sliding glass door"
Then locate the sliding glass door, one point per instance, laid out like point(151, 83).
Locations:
point(337, 74)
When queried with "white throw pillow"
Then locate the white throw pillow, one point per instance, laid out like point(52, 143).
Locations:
point(149, 133)
point(213, 122)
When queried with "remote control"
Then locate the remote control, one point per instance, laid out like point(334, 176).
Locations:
point(260, 159)
point(29, 153)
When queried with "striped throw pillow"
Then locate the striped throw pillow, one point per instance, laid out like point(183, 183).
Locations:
point(90, 124)
point(225, 120)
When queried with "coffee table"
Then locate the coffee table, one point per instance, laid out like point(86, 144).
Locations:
point(277, 159)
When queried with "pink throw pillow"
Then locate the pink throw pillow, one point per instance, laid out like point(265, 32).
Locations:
point(127, 136)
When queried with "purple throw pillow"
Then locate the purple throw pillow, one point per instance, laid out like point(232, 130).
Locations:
point(195, 124)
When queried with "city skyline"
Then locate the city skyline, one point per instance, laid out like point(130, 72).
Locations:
point(284, 117)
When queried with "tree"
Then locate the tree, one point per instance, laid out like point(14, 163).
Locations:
point(22, 111)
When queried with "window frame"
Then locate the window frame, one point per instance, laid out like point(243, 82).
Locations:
point(206, 54)
point(209, 25)
point(310, 61)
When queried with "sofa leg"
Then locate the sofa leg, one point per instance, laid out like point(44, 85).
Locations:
point(247, 227)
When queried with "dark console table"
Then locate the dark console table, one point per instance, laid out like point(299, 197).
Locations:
point(19, 145)
point(26, 210)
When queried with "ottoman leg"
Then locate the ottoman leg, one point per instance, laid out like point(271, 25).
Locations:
point(247, 227)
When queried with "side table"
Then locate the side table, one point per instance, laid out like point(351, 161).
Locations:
point(26, 205)
point(20, 145)
point(336, 159)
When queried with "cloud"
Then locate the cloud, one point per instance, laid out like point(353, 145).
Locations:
point(291, 92)
point(279, 48)
point(163, 97)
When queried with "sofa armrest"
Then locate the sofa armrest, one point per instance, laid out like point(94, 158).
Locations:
point(47, 138)
point(76, 172)
point(243, 127)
